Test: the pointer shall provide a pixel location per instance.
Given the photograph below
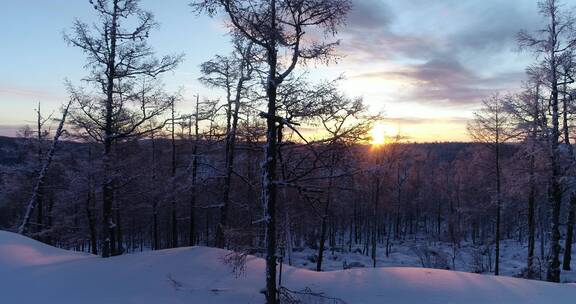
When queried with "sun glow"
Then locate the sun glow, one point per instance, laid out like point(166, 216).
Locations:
point(380, 132)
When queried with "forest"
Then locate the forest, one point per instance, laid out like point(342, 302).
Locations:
point(288, 167)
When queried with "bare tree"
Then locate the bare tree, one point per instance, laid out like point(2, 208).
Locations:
point(346, 123)
point(231, 73)
point(272, 25)
point(117, 57)
point(526, 110)
point(194, 170)
point(173, 211)
point(40, 135)
point(492, 125)
point(44, 170)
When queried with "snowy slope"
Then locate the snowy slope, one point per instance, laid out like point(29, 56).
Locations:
point(31, 272)
point(17, 251)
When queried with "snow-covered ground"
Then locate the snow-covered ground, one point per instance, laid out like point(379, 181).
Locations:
point(31, 272)
point(409, 253)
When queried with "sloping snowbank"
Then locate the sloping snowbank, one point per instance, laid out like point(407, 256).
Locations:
point(18, 251)
point(31, 272)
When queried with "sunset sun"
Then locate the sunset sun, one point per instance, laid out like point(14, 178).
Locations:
point(381, 132)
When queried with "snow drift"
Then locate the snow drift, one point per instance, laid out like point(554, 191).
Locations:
point(31, 272)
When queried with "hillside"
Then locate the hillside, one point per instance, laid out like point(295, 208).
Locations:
point(31, 272)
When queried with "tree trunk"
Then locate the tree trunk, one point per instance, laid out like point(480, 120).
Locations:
point(119, 235)
point(40, 208)
point(324, 224)
point(498, 207)
point(192, 220)
point(570, 221)
point(289, 240)
point(553, 271)
point(108, 226)
point(43, 172)
point(322, 241)
point(555, 191)
point(230, 150)
point(174, 220)
point(91, 225)
point(269, 167)
point(89, 206)
point(376, 200)
point(531, 215)
point(569, 234)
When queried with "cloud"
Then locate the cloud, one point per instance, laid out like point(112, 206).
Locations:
point(470, 28)
point(445, 81)
point(424, 121)
point(494, 27)
point(449, 52)
point(367, 14)
point(16, 91)
point(363, 46)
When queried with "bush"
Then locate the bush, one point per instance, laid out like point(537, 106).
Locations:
point(431, 258)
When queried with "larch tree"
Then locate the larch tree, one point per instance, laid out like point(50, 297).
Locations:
point(41, 133)
point(526, 111)
point(277, 27)
point(42, 173)
point(492, 125)
point(118, 57)
point(203, 111)
point(341, 122)
point(233, 74)
point(344, 122)
point(194, 170)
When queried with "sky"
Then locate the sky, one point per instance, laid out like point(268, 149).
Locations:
point(426, 64)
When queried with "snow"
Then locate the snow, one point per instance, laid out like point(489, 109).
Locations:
point(402, 254)
point(18, 252)
point(31, 272)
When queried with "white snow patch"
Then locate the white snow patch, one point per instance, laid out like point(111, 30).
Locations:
point(18, 251)
point(31, 272)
